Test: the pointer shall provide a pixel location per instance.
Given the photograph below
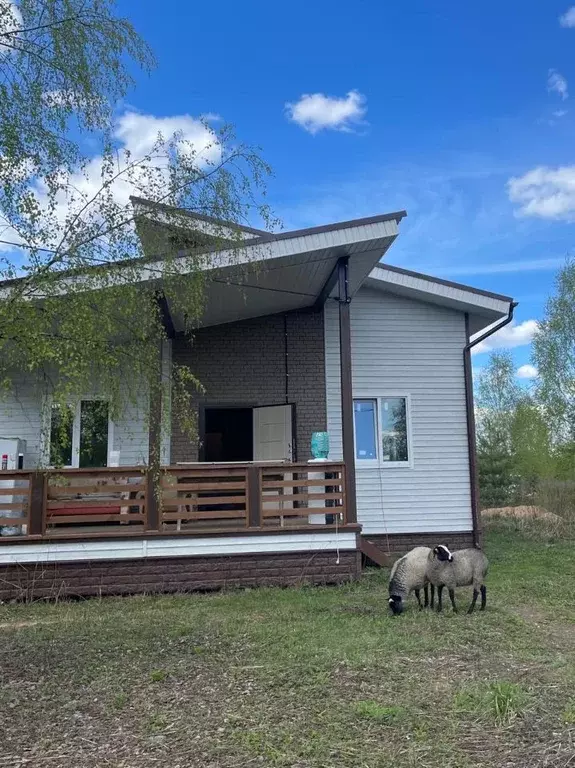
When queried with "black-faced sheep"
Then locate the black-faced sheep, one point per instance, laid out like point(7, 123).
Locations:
point(409, 574)
point(461, 568)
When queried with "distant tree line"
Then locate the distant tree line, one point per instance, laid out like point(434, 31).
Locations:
point(526, 436)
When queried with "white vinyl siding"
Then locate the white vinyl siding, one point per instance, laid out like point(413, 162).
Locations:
point(409, 348)
point(131, 432)
point(186, 546)
point(21, 415)
point(25, 414)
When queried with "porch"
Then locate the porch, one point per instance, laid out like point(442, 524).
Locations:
point(198, 499)
point(241, 504)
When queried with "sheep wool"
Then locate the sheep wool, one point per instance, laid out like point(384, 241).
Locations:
point(462, 568)
point(408, 574)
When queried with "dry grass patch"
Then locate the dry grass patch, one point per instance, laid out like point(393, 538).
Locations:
point(301, 678)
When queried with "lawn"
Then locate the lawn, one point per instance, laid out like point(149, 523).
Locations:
point(311, 677)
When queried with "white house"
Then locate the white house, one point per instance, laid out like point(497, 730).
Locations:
point(313, 332)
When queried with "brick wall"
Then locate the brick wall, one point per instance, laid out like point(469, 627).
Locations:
point(181, 574)
point(400, 543)
point(244, 364)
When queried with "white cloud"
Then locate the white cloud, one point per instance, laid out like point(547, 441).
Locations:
point(211, 117)
point(527, 372)
point(512, 335)
point(547, 193)
point(557, 83)
point(315, 111)
point(136, 134)
point(568, 18)
point(10, 20)
point(560, 112)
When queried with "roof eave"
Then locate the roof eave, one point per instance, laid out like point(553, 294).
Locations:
point(483, 307)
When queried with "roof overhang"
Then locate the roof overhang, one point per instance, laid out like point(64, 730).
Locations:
point(291, 271)
point(261, 273)
point(484, 308)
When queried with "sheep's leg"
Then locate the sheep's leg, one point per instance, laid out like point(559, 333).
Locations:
point(452, 598)
point(432, 601)
point(439, 594)
point(426, 595)
point(475, 595)
point(483, 597)
point(418, 596)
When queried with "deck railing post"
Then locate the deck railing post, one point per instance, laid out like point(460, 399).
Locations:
point(345, 501)
point(38, 498)
point(254, 495)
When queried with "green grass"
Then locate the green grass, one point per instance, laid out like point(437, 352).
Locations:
point(372, 710)
point(158, 675)
point(499, 701)
point(306, 678)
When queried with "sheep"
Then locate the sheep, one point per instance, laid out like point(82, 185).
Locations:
point(409, 573)
point(457, 569)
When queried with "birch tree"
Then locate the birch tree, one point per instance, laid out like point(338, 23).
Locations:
point(75, 311)
point(554, 355)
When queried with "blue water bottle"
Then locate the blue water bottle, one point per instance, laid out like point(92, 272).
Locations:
point(320, 445)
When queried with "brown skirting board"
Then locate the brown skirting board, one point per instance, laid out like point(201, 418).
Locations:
point(175, 574)
point(400, 543)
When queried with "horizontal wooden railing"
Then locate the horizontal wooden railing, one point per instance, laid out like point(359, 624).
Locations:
point(15, 488)
point(196, 498)
point(86, 497)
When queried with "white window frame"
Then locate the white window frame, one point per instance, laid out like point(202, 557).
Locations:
point(378, 462)
point(75, 432)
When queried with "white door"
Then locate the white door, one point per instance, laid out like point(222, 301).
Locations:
point(273, 433)
point(273, 442)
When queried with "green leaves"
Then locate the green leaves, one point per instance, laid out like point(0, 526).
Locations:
point(554, 354)
point(87, 260)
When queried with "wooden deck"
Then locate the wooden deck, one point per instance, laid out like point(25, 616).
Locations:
point(195, 499)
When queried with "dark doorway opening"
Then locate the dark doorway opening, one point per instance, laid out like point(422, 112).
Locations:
point(228, 434)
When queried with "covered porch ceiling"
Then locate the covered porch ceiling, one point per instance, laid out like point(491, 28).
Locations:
point(291, 271)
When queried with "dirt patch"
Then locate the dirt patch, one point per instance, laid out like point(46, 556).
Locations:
point(20, 624)
point(559, 635)
point(520, 513)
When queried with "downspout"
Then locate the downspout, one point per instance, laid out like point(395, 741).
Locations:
point(470, 412)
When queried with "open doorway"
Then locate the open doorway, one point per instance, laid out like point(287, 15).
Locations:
point(247, 434)
point(228, 434)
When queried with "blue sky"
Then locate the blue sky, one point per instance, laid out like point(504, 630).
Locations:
point(459, 112)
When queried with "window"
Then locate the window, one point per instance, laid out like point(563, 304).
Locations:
point(80, 437)
point(382, 430)
point(93, 446)
point(365, 420)
point(394, 429)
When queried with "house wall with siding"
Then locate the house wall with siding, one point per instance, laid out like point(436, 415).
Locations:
point(401, 346)
point(22, 414)
point(245, 364)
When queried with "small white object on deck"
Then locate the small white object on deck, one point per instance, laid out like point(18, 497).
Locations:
point(316, 519)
